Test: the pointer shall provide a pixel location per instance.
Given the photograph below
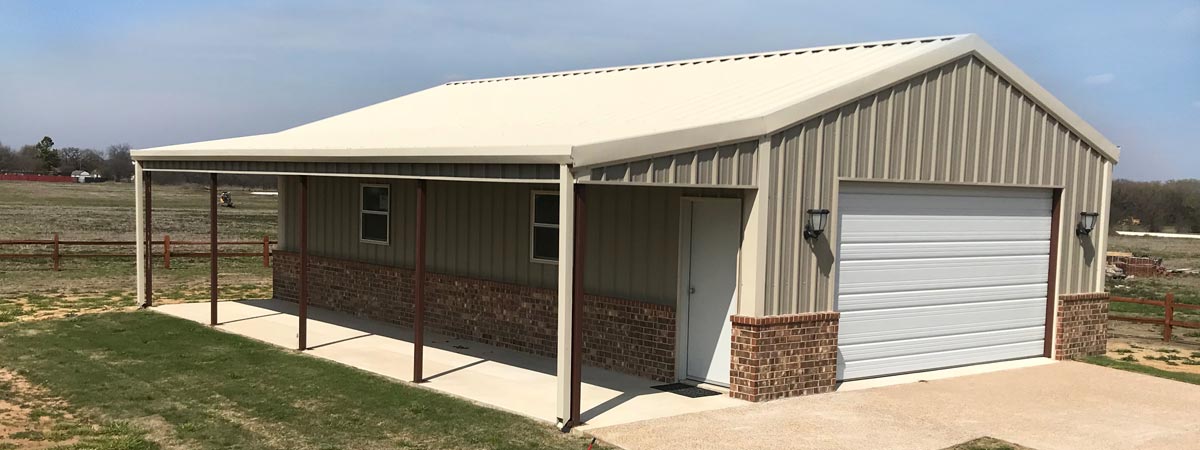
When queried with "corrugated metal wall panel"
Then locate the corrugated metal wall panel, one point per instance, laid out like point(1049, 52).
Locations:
point(481, 230)
point(960, 123)
point(730, 165)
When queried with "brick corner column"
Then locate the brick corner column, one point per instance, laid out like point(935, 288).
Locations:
point(783, 356)
point(1082, 325)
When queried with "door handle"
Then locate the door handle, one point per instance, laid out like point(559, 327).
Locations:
point(691, 289)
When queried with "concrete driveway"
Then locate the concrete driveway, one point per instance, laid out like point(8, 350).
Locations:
point(1065, 405)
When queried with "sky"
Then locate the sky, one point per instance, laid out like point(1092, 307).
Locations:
point(150, 73)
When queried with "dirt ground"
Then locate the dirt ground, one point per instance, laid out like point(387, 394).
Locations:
point(29, 415)
point(1142, 343)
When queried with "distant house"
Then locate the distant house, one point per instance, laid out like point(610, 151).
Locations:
point(771, 222)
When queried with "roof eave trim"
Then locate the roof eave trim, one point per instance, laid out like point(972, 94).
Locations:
point(620, 150)
point(548, 154)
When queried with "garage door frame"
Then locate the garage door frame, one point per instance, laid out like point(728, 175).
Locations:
point(1052, 257)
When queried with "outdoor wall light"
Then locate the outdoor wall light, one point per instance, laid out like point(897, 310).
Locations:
point(1087, 223)
point(817, 219)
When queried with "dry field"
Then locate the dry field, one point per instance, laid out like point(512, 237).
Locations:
point(104, 211)
point(1142, 343)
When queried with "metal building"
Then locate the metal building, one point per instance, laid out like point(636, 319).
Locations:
point(773, 223)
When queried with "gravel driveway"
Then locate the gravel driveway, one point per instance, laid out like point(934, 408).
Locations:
point(1066, 405)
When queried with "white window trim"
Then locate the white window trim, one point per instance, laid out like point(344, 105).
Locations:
point(533, 225)
point(362, 187)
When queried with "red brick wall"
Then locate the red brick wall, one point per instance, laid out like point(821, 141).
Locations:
point(783, 356)
point(1082, 324)
point(621, 335)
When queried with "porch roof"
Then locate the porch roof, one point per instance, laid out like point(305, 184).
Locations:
point(599, 116)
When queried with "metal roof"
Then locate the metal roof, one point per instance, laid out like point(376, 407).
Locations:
point(597, 116)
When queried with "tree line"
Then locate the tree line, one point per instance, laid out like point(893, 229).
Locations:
point(42, 158)
point(113, 163)
point(1172, 206)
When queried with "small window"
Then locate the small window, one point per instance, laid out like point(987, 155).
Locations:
point(375, 210)
point(544, 232)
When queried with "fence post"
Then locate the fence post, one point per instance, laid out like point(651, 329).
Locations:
point(167, 251)
point(56, 256)
point(266, 250)
point(1168, 316)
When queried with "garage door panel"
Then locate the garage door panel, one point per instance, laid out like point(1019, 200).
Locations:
point(891, 349)
point(960, 249)
point(925, 361)
point(892, 275)
point(859, 327)
point(942, 205)
point(936, 276)
point(915, 228)
point(861, 302)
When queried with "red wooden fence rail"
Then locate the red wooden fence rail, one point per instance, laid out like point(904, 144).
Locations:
point(1168, 321)
point(56, 254)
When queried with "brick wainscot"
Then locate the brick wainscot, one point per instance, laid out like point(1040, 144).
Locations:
point(1082, 324)
point(626, 336)
point(783, 356)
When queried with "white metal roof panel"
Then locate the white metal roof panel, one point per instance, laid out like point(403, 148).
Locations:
point(596, 116)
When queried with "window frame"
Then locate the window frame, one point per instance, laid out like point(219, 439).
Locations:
point(362, 211)
point(533, 225)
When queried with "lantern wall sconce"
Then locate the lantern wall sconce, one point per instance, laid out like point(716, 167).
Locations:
point(1087, 223)
point(817, 220)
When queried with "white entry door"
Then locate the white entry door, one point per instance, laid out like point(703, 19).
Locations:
point(715, 231)
point(932, 277)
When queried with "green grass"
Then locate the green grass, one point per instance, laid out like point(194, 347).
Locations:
point(1135, 367)
point(175, 383)
point(987, 443)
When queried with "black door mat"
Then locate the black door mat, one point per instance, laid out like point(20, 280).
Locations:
point(686, 390)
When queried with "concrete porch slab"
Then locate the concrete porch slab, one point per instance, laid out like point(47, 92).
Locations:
point(505, 379)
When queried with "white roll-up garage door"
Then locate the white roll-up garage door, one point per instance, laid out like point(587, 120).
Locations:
point(932, 277)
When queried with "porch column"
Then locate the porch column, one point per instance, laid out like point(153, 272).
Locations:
point(419, 288)
point(577, 324)
point(148, 236)
point(303, 334)
point(212, 250)
point(568, 409)
point(139, 211)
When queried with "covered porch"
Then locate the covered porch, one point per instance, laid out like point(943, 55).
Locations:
point(463, 250)
point(501, 378)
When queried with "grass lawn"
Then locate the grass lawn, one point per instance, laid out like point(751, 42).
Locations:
point(133, 380)
point(987, 443)
point(1139, 368)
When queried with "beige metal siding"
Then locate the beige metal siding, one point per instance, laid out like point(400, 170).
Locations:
point(959, 124)
point(481, 230)
point(732, 165)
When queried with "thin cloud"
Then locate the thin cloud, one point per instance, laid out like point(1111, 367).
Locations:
point(1099, 79)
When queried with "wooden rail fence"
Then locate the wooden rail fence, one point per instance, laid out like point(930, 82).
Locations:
point(56, 246)
point(1168, 321)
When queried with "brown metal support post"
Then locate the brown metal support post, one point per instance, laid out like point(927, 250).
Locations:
point(149, 241)
point(212, 250)
point(303, 336)
point(167, 251)
point(266, 250)
point(1168, 316)
point(580, 255)
point(419, 298)
point(1052, 277)
point(56, 257)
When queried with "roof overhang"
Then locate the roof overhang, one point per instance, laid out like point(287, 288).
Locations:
point(620, 150)
point(625, 148)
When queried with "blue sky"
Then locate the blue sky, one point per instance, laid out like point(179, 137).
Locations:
point(149, 73)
